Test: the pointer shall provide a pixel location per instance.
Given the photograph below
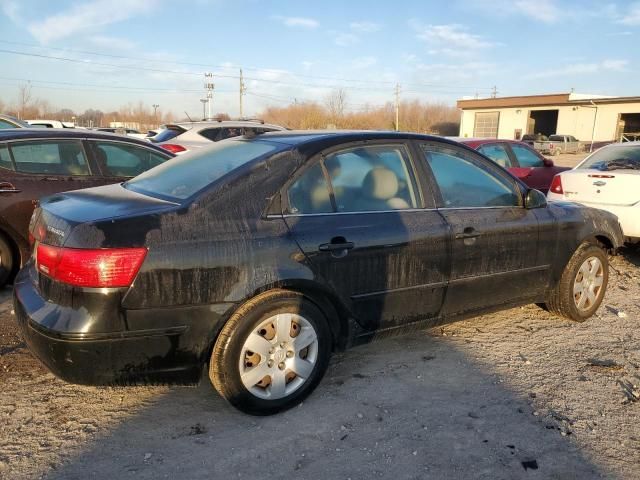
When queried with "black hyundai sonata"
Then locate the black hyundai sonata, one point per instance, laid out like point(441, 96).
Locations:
point(260, 256)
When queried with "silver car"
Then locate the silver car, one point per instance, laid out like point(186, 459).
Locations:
point(181, 137)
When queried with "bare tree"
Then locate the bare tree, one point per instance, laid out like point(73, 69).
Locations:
point(336, 103)
point(24, 97)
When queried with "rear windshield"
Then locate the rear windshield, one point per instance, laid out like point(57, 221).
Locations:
point(183, 176)
point(614, 158)
point(556, 138)
point(167, 134)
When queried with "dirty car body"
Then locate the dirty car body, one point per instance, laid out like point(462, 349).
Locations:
point(403, 256)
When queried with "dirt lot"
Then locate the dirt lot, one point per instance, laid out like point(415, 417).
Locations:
point(519, 394)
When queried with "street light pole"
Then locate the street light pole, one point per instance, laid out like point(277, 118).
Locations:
point(155, 116)
point(204, 107)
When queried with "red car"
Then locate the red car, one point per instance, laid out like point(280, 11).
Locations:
point(519, 158)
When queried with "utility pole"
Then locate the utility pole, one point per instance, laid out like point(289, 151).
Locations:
point(494, 92)
point(209, 86)
point(397, 106)
point(243, 89)
point(204, 107)
point(155, 115)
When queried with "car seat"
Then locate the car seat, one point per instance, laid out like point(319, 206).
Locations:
point(379, 191)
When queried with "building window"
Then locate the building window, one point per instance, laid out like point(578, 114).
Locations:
point(486, 125)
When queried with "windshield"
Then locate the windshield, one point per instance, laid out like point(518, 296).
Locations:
point(614, 158)
point(181, 177)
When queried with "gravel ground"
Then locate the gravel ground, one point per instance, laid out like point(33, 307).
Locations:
point(514, 395)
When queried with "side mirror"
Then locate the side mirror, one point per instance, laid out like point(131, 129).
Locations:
point(547, 162)
point(534, 199)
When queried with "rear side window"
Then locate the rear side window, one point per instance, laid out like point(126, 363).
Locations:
point(526, 158)
point(210, 133)
point(5, 158)
point(167, 134)
point(187, 174)
point(363, 179)
point(464, 184)
point(50, 157)
point(497, 153)
point(122, 160)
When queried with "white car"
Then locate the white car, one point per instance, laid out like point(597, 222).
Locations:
point(181, 137)
point(608, 179)
point(50, 123)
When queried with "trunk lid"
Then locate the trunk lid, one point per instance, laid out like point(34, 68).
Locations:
point(613, 187)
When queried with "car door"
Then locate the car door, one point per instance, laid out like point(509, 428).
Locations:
point(360, 215)
point(35, 169)
point(118, 161)
point(495, 257)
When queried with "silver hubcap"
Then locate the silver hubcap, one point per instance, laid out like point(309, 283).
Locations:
point(278, 356)
point(587, 286)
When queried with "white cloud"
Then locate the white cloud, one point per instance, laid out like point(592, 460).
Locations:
point(609, 65)
point(87, 18)
point(631, 16)
point(364, 62)
point(11, 9)
point(301, 22)
point(544, 10)
point(450, 39)
point(364, 26)
point(346, 39)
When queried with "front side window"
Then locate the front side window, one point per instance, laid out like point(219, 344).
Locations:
point(210, 133)
point(50, 157)
point(465, 184)
point(497, 153)
point(526, 158)
point(230, 132)
point(122, 160)
point(4, 125)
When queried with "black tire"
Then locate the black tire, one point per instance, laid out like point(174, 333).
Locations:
point(224, 368)
point(6, 261)
point(561, 300)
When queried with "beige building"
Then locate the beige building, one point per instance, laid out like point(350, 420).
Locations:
point(586, 117)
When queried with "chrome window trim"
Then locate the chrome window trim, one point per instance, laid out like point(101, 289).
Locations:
point(366, 212)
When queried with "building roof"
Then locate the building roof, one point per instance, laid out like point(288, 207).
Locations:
point(556, 99)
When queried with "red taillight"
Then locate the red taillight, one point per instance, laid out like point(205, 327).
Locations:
point(94, 268)
point(556, 185)
point(173, 148)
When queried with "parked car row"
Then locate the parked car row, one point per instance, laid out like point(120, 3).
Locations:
point(257, 257)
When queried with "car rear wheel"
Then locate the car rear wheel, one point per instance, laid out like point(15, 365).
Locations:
point(271, 354)
point(6, 261)
point(583, 284)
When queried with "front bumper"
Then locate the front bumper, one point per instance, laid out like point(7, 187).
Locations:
point(173, 351)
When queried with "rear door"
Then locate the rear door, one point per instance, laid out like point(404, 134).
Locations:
point(495, 258)
point(365, 223)
point(36, 168)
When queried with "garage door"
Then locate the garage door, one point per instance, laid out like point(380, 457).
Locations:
point(486, 125)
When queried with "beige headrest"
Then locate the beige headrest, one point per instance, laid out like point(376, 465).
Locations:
point(320, 197)
point(380, 183)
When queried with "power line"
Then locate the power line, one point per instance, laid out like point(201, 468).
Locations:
point(183, 72)
point(257, 69)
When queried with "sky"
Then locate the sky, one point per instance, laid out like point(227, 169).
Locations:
point(106, 53)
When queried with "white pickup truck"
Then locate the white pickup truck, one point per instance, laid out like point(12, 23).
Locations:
point(558, 144)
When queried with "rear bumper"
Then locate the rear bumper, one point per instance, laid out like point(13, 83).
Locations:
point(166, 354)
point(628, 215)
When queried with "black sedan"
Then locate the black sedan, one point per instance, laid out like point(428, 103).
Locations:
point(258, 257)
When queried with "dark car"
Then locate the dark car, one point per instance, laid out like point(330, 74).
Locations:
point(39, 162)
point(259, 257)
point(520, 159)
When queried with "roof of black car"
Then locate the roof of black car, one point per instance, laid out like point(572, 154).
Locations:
point(299, 137)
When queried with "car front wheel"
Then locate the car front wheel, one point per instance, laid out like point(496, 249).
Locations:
point(271, 353)
point(583, 284)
